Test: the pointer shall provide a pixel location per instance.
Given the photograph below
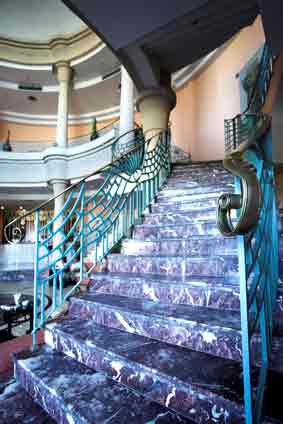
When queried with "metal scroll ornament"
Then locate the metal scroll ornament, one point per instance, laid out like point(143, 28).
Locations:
point(247, 204)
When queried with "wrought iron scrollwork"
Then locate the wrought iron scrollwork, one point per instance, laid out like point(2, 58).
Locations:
point(248, 203)
point(243, 133)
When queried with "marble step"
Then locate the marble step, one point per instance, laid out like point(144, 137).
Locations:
point(212, 292)
point(226, 266)
point(199, 189)
point(199, 386)
point(173, 231)
point(174, 192)
point(191, 182)
point(194, 197)
point(17, 407)
point(73, 393)
point(194, 246)
point(193, 216)
point(213, 331)
point(188, 171)
point(186, 206)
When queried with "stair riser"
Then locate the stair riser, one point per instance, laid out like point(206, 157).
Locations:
point(74, 394)
point(180, 219)
point(226, 266)
point(196, 173)
point(185, 207)
point(192, 402)
point(218, 341)
point(212, 297)
point(173, 231)
point(192, 197)
point(175, 192)
point(37, 391)
point(190, 247)
point(191, 182)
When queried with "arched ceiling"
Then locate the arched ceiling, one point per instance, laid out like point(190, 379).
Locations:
point(37, 21)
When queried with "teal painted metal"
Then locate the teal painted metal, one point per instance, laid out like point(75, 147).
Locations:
point(249, 134)
point(98, 211)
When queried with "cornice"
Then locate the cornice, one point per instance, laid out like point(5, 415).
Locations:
point(61, 48)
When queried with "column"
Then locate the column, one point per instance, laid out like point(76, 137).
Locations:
point(155, 106)
point(126, 102)
point(64, 77)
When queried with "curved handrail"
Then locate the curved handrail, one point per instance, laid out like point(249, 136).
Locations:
point(248, 157)
point(243, 132)
point(71, 187)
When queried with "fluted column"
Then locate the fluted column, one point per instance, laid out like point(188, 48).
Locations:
point(64, 77)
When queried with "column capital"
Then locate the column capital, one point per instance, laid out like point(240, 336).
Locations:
point(166, 93)
point(63, 71)
point(155, 105)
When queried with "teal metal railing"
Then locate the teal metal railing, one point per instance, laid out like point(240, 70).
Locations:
point(248, 146)
point(98, 211)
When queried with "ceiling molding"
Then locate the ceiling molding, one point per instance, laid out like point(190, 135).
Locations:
point(51, 120)
point(73, 48)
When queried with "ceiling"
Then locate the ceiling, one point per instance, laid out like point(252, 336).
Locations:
point(37, 21)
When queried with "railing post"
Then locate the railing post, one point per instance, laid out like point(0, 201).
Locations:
point(245, 333)
point(36, 279)
point(82, 239)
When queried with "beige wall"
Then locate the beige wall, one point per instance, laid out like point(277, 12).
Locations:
point(42, 133)
point(204, 103)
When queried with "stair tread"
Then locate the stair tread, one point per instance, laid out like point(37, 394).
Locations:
point(200, 281)
point(81, 395)
point(190, 367)
point(201, 315)
point(17, 407)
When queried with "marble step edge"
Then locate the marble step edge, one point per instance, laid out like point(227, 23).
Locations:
point(120, 368)
point(197, 293)
point(168, 191)
point(95, 399)
point(217, 340)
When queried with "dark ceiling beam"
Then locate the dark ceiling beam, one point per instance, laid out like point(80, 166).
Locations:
point(154, 41)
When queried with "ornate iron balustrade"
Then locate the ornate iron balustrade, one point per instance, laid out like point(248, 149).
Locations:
point(248, 147)
point(96, 218)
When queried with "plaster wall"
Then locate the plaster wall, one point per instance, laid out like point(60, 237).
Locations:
point(214, 95)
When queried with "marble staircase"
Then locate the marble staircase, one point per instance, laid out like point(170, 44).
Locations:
point(156, 340)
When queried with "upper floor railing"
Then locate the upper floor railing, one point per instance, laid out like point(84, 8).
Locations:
point(248, 145)
point(96, 213)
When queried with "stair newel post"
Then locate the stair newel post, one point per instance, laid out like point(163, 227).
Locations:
point(82, 237)
point(36, 279)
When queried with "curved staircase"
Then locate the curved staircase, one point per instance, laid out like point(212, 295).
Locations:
point(157, 338)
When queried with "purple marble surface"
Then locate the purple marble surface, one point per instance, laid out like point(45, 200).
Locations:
point(190, 383)
point(189, 266)
point(193, 197)
point(193, 246)
point(212, 292)
point(75, 394)
point(202, 329)
point(152, 232)
point(174, 192)
point(180, 218)
point(187, 206)
point(17, 407)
